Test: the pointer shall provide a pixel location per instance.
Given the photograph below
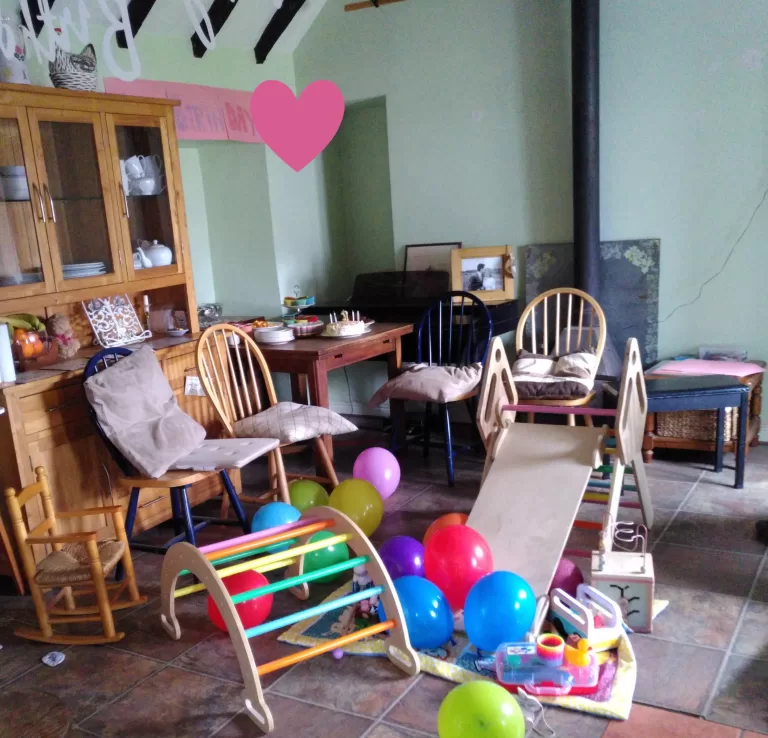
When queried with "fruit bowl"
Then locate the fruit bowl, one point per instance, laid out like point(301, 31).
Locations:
point(34, 350)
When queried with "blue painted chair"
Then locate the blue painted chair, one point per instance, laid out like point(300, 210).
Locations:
point(454, 331)
point(178, 482)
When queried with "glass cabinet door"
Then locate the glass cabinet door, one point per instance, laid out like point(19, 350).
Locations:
point(144, 178)
point(78, 199)
point(25, 265)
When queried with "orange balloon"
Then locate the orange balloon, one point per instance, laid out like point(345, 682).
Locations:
point(442, 522)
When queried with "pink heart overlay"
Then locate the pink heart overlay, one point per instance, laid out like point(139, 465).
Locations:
point(297, 130)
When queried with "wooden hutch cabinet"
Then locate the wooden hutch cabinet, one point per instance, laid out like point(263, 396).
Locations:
point(69, 226)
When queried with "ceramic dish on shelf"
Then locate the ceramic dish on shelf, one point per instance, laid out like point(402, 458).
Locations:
point(278, 335)
point(177, 332)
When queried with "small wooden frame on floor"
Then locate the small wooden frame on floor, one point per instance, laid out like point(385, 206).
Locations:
point(184, 558)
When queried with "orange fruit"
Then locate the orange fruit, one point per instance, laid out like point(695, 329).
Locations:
point(36, 343)
point(19, 334)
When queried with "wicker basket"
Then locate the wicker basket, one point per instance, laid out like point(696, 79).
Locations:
point(696, 425)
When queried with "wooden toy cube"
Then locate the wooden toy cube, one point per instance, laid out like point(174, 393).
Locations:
point(627, 578)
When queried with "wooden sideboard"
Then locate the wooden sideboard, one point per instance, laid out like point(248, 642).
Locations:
point(46, 423)
point(71, 219)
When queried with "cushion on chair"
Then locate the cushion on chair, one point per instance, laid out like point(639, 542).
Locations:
point(72, 565)
point(424, 383)
point(138, 413)
point(543, 378)
point(291, 422)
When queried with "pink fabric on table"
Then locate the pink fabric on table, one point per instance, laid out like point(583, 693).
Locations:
point(708, 368)
point(220, 545)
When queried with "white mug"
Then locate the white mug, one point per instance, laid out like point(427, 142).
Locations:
point(147, 185)
point(151, 165)
point(134, 167)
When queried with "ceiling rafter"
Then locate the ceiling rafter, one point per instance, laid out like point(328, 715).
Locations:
point(218, 13)
point(276, 27)
point(138, 10)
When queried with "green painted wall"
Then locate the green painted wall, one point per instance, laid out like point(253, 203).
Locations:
point(357, 179)
point(478, 112)
point(684, 152)
point(197, 221)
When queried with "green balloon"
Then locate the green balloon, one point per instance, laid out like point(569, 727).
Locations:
point(480, 710)
point(323, 557)
point(305, 494)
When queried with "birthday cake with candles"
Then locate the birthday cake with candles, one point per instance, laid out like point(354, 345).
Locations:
point(346, 327)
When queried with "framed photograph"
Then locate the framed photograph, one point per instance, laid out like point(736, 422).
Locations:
point(488, 272)
point(429, 257)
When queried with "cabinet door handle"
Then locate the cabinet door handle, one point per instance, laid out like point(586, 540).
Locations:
point(125, 201)
point(40, 203)
point(64, 406)
point(152, 502)
point(50, 202)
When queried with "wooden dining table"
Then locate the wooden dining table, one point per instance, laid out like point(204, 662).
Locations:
point(308, 361)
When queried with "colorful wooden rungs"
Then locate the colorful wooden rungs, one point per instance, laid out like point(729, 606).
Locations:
point(184, 558)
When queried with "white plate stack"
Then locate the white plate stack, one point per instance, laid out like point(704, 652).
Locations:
point(276, 335)
point(80, 271)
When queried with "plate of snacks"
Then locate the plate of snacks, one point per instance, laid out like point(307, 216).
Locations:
point(260, 326)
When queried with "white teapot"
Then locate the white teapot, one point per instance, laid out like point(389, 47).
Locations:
point(157, 253)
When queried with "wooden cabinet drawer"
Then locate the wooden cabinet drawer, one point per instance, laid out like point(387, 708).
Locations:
point(53, 408)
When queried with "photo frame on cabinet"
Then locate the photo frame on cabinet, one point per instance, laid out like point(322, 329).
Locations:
point(486, 271)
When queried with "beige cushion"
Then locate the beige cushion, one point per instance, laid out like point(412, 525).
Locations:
point(291, 423)
point(72, 564)
point(138, 412)
point(581, 364)
point(425, 383)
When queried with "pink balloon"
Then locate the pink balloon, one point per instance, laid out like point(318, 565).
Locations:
point(379, 467)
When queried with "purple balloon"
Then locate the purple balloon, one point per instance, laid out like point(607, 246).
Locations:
point(379, 467)
point(403, 556)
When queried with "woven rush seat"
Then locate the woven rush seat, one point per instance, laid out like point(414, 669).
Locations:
point(71, 564)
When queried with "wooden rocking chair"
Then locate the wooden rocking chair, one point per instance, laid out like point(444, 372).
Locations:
point(569, 309)
point(77, 565)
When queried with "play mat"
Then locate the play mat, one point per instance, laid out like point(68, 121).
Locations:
point(456, 662)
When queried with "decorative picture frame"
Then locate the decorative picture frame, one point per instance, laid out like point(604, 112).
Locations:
point(488, 272)
point(434, 257)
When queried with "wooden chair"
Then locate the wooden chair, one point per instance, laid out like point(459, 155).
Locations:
point(77, 564)
point(456, 330)
point(177, 482)
point(562, 312)
point(238, 382)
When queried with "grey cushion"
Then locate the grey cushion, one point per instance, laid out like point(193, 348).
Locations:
point(138, 412)
point(424, 383)
point(291, 423)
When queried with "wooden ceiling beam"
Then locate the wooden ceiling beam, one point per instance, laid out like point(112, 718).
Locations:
point(276, 27)
point(34, 12)
point(218, 13)
point(369, 4)
point(138, 10)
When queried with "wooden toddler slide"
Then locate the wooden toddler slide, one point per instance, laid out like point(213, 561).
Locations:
point(535, 476)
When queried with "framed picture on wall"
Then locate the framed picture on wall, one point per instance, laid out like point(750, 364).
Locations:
point(429, 257)
point(486, 271)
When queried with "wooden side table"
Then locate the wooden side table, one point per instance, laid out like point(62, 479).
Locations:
point(652, 440)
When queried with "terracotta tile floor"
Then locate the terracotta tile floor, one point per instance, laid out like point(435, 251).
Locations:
point(706, 663)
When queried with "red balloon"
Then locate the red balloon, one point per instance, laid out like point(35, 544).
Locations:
point(252, 612)
point(455, 557)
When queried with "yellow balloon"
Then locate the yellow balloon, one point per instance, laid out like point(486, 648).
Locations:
point(359, 500)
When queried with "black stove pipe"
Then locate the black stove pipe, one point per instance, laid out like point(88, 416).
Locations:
point(585, 67)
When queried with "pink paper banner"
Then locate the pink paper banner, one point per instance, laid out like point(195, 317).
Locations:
point(205, 113)
point(237, 106)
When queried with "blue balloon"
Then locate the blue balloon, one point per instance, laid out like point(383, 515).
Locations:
point(500, 608)
point(428, 615)
point(272, 515)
